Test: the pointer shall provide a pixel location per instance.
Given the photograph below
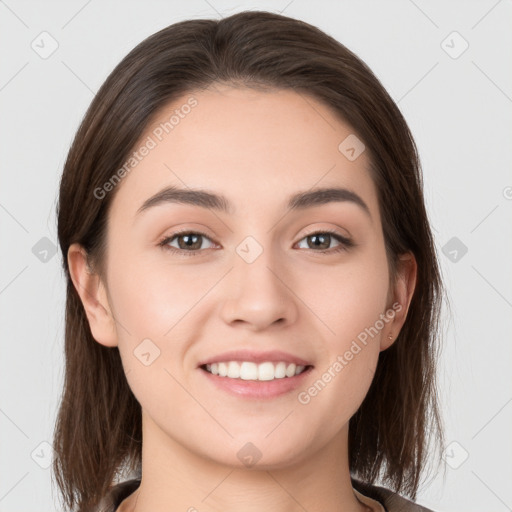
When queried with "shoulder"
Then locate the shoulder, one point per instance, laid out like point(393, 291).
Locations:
point(392, 501)
point(116, 494)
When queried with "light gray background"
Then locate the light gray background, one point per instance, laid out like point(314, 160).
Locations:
point(459, 110)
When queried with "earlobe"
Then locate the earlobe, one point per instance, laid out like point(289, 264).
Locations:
point(93, 295)
point(403, 292)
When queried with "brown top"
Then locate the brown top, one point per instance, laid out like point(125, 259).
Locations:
point(371, 495)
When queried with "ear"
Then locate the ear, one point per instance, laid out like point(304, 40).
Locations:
point(402, 293)
point(93, 295)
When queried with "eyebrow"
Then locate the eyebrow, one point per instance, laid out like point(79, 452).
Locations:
point(205, 199)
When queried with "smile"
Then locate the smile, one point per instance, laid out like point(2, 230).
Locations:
point(246, 370)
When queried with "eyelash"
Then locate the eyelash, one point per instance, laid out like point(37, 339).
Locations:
point(345, 243)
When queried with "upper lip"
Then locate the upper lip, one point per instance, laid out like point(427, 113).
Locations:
point(274, 356)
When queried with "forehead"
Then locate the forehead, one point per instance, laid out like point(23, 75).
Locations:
point(254, 147)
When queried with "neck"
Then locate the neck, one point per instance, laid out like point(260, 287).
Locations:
point(176, 479)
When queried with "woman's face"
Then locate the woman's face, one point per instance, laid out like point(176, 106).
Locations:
point(256, 279)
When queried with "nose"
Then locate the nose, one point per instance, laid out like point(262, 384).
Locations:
point(258, 294)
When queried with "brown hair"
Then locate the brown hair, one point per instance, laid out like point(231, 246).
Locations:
point(98, 430)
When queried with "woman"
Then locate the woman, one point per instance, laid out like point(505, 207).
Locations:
point(253, 293)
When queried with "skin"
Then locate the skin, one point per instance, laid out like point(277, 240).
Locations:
point(256, 148)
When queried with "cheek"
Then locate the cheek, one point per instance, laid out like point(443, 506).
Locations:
point(346, 298)
point(154, 305)
point(350, 311)
point(150, 296)
point(348, 303)
point(159, 308)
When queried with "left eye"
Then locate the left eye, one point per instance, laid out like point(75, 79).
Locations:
point(189, 242)
point(322, 238)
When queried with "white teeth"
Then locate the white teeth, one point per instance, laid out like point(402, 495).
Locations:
point(299, 369)
point(280, 370)
point(264, 371)
point(223, 369)
point(233, 370)
point(247, 370)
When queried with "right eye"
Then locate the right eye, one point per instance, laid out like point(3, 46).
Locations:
point(191, 245)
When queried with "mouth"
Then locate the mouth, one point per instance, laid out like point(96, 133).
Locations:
point(249, 380)
point(250, 371)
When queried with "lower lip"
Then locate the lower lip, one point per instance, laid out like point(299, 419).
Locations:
point(259, 389)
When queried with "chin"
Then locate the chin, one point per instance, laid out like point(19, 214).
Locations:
point(255, 453)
